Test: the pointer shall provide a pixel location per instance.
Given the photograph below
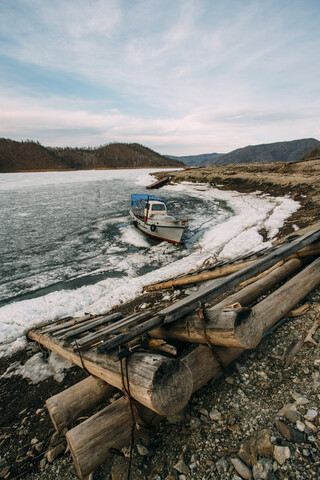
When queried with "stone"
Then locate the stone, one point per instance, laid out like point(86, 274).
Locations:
point(222, 466)
point(182, 477)
point(310, 425)
point(215, 415)
point(55, 452)
point(261, 470)
point(142, 450)
point(43, 463)
point(241, 468)
point(195, 422)
point(34, 441)
point(311, 415)
point(290, 433)
point(281, 454)
point(292, 415)
point(256, 445)
point(300, 426)
point(302, 401)
point(230, 380)
point(181, 467)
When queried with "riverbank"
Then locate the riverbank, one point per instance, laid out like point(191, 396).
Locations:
point(205, 439)
point(298, 180)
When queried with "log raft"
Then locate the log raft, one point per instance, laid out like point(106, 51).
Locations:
point(161, 386)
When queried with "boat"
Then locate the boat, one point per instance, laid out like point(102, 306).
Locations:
point(150, 216)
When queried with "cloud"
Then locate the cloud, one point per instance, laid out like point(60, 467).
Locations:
point(218, 74)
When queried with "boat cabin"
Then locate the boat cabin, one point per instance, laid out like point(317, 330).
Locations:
point(155, 207)
point(148, 206)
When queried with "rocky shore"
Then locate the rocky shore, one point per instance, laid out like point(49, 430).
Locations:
point(258, 420)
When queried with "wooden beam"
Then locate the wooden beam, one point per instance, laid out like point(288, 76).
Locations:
point(74, 402)
point(160, 383)
point(224, 327)
point(91, 441)
point(217, 287)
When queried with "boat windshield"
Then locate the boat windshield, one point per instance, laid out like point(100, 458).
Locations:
point(158, 207)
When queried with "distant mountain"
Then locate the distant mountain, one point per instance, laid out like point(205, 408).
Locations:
point(270, 152)
point(197, 160)
point(29, 155)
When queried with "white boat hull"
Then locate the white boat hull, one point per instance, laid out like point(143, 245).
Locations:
point(170, 231)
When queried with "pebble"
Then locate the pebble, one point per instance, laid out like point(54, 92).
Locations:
point(292, 415)
point(195, 422)
point(300, 426)
point(215, 415)
point(241, 468)
point(142, 450)
point(53, 453)
point(261, 470)
point(281, 454)
point(230, 380)
point(311, 415)
point(181, 467)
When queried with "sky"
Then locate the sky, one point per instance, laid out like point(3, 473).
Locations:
point(183, 78)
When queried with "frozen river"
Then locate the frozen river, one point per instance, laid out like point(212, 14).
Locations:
point(67, 245)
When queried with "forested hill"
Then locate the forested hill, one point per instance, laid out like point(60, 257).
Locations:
point(29, 155)
point(269, 152)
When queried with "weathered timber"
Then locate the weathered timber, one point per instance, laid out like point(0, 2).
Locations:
point(111, 429)
point(91, 441)
point(249, 294)
point(88, 340)
point(98, 322)
point(228, 328)
point(200, 277)
point(72, 403)
point(280, 302)
point(217, 287)
point(134, 332)
point(291, 352)
point(245, 297)
point(160, 383)
point(61, 324)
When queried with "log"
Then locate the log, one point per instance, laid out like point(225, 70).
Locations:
point(91, 441)
point(190, 329)
point(90, 446)
point(247, 295)
point(200, 277)
point(160, 383)
point(227, 327)
point(280, 302)
point(74, 402)
point(219, 286)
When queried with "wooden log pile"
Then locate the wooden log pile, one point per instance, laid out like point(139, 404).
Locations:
point(158, 359)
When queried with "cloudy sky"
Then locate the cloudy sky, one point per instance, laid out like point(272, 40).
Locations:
point(182, 77)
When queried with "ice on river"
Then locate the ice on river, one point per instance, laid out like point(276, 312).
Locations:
point(67, 245)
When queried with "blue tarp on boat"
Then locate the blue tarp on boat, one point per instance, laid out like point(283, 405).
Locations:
point(137, 197)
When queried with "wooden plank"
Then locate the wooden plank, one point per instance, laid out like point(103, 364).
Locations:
point(60, 326)
point(88, 340)
point(90, 325)
point(217, 287)
point(134, 332)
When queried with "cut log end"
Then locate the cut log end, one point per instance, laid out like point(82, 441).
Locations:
point(248, 330)
point(169, 393)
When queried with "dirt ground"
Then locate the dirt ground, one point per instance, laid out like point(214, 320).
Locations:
point(204, 441)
